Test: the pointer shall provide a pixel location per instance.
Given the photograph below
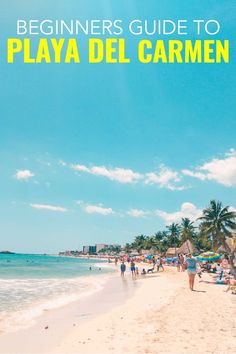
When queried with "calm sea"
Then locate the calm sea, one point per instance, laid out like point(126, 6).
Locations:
point(31, 284)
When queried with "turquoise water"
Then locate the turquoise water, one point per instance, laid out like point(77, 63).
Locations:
point(31, 284)
point(22, 266)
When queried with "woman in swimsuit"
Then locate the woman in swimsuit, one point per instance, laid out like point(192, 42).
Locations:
point(192, 270)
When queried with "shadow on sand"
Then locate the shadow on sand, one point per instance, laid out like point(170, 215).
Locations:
point(199, 291)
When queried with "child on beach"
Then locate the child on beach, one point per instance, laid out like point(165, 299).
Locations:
point(144, 272)
point(122, 269)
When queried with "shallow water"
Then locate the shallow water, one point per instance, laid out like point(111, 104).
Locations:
point(31, 284)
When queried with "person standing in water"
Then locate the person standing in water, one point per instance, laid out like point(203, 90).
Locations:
point(122, 269)
point(192, 270)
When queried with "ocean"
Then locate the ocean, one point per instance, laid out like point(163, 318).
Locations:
point(31, 284)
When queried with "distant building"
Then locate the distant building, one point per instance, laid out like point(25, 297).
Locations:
point(101, 246)
point(89, 249)
point(97, 248)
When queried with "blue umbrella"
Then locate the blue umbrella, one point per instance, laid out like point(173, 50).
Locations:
point(149, 256)
point(208, 256)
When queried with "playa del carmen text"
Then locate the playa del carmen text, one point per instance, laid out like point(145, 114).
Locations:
point(118, 41)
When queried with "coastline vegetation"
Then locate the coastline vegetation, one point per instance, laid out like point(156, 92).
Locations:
point(209, 232)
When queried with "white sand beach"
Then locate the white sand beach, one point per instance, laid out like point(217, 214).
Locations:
point(156, 313)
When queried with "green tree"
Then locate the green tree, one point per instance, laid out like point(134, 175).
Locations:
point(174, 233)
point(127, 248)
point(113, 249)
point(139, 243)
point(219, 223)
point(162, 241)
point(202, 240)
point(187, 230)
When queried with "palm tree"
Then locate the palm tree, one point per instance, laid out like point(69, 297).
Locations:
point(159, 235)
point(162, 241)
point(139, 243)
point(187, 229)
point(174, 230)
point(127, 248)
point(149, 243)
point(202, 240)
point(219, 222)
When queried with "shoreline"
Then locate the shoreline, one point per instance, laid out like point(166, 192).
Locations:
point(156, 313)
point(53, 323)
point(28, 315)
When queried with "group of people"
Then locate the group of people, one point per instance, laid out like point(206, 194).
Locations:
point(184, 262)
point(219, 270)
point(156, 263)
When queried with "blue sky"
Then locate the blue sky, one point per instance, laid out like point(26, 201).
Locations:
point(101, 153)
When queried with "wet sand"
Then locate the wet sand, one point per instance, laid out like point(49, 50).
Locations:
point(156, 313)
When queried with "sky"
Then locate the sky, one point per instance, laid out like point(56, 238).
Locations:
point(103, 153)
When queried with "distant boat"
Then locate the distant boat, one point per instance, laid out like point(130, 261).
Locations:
point(6, 252)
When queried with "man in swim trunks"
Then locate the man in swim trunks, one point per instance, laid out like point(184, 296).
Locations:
point(132, 268)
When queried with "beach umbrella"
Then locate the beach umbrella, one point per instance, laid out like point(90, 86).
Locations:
point(208, 256)
point(149, 256)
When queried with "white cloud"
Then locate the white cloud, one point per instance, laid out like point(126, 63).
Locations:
point(98, 209)
point(118, 174)
point(23, 175)
point(81, 168)
point(187, 210)
point(198, 175)
point(222, 171)
point(232, 209)
point(137, 213)
point(166, 178)
point(49, 207)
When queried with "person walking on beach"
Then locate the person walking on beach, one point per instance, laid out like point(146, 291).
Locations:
point(160, 264)
point(122, 269)
point(178, 263)
point(181, 258)
point(192, 270)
